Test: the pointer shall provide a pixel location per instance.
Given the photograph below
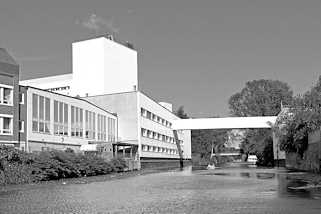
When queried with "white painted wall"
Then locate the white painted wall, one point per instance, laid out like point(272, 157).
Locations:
point(102, 66)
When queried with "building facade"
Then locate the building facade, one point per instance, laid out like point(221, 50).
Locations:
point(105, 73)
point(9, 100)
point(146, 124)
point(55, 121)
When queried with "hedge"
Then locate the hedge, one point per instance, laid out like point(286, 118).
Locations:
point(20, 167)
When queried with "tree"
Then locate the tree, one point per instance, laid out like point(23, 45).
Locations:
point(181, 113)
point(203, 140)
point(303, 117)
point(260, 98)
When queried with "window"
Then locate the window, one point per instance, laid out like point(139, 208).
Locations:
point(21, 126)
point(149, 115)
point(40, 114)
point(76, 121)
point(6, 95)
point(60, 118)
point(6, 124)
point(143, 112)
point(111, 129)
point(21, 98)
point(90, 125)
point(101, 123)
point(145, 148)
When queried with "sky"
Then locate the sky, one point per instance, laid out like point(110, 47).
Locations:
point(190, 53)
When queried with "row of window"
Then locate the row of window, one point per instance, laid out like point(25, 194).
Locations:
point(147, 114)
point(157, 136)
point(41, 120)
point(147, 148)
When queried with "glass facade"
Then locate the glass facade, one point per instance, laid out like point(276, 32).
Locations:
point(40, 114)
point(60, 118)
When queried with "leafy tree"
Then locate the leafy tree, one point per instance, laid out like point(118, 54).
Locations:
point(260, 98)
point(181, 113)
point(204, 140)
point(303, 117)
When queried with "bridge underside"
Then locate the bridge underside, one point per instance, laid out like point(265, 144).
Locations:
point(224, 123)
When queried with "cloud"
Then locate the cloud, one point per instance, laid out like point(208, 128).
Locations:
point(99, 24)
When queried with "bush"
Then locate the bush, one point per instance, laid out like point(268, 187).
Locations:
point(21, 167)
point(118, 164)
point(15, 173)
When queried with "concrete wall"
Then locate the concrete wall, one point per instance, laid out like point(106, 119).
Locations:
point(125, 105)
point(102, 66)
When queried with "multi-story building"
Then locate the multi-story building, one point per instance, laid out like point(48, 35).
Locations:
point(9, 100)
point(105, 73)
point(145, 124)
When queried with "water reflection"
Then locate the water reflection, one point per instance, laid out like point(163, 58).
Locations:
point(287, 186)
point(176, 190)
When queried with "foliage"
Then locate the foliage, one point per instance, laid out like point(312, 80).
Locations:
point(181, 113)
point(21, 167)
point(260, 98)
point(260, 143)
point(204, 140)
point(303, 117)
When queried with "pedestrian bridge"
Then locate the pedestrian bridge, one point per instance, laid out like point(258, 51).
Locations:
point(224, 123)
point(228, 123)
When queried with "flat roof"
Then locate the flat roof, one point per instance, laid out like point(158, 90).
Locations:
point(59, 77)
point(127, 92)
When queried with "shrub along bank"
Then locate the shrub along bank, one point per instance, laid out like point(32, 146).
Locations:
point(18, 167)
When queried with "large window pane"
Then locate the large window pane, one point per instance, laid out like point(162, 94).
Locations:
point(41, 107)
point(41, 127)
point(66, 114)
point(55, 111)
point(60, 112)
point(47, 129)
point(34, 106)
point(35, 126)
point(47, 117)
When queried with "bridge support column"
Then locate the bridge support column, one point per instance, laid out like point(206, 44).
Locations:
point(278, 154)
point(181, 162)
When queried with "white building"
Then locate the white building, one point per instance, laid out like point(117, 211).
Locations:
point(106, 73)
point(146, 124)
point(103, 66)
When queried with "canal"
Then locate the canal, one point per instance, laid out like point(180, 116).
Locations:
point(225, 190)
